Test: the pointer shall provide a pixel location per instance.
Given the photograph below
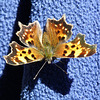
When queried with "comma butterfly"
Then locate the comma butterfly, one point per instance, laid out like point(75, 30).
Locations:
point(51, 43)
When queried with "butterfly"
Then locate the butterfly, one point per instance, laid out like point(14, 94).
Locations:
point(48, 45)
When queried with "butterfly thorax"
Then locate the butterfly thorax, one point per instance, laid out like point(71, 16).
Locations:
point(48, 53)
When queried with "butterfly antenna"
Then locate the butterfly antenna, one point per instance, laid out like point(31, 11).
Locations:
point(39, 70)
point(60, 61)
point(61, 68)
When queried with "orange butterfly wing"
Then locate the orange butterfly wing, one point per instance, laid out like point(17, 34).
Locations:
point(57, 31)
point(30, 35)
point(74, 49)
point(21, 55)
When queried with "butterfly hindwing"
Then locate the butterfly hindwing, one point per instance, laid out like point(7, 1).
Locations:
point(57, 31)
point(20, 55)
point(30, 35)
point(74, 49)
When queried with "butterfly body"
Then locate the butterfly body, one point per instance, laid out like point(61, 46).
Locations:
point(48, 45)
point(48, 53)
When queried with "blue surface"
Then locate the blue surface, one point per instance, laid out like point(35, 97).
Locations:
point(83, 79)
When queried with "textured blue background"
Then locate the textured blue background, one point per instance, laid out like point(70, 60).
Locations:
point(83, 79)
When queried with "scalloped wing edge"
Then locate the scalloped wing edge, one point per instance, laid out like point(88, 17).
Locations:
point(13, 51)
point(75, 48)
point(7, 57)
point(62, 18)
point(84, 44)
point(39, 34)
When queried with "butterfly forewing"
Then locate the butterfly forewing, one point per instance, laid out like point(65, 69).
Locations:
point(58, 31)
point(20, 55)
point(30, 35)
point(74, 49)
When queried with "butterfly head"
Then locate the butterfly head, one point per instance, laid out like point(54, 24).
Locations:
point(50, 60)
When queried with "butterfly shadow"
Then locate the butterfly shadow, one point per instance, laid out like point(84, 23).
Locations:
point(50, 75)
point(55, 78)
point(10, 81)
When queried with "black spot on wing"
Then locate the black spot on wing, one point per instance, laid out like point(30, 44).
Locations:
point(33, 56)
point(63, 38)
point(66, 46)
point(59, 37)
point(58, 32)
point(24, 52)
point(65, 51)
point(73, 46)
point(32, 42)
point(16, 58)
point(29, 42)
point(31, 36)
point(20, 54)
point(72, 54)
point(27, 59)
point(64, 54)
point(77, 48)
point(29, 51)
